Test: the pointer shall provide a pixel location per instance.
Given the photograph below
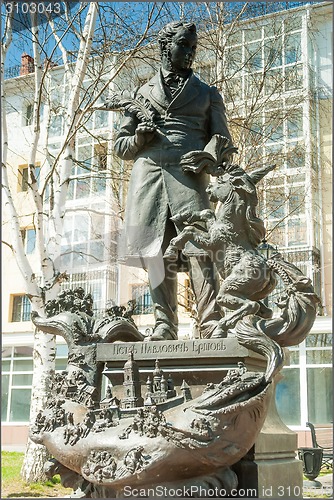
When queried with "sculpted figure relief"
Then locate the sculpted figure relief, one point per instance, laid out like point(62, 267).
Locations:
point(187, 114)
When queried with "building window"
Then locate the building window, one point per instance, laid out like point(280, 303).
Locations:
point(292, 48)
point(86, 240)
point(141, 294)
point(288, 397)
point(319, 395)
point(297, 234)
point(189, 297)
point(56, 126)
point(310, 372)
point(28, 115)
point(101, 119)
point(102, 285)
point(283, 207)
point(17, 371)
point(319, 378)
point(99, 167)
point(21, 308)
point(89, 172)
point(275, 203)
point(23, 177)
point(16, 380)
point(29, 240)
point(264, 61)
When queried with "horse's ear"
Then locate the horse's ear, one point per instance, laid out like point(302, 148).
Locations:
point(239, 182)
point(259, 173)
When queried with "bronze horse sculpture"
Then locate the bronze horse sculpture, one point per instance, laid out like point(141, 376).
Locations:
point(233, 235)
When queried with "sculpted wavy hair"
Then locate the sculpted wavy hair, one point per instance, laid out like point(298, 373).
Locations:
point(167, 33)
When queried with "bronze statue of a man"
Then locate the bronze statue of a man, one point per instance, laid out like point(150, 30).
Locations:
point(188, 114)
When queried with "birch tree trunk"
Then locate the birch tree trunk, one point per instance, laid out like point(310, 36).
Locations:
point(44, 344)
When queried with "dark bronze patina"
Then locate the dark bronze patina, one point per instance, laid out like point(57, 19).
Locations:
point(187, 114)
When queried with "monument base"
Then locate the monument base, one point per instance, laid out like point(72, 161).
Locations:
point(270, 468)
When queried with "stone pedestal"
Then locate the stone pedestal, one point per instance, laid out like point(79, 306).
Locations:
point(270, 469)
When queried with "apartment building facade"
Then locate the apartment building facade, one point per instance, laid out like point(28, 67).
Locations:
point(292, 122)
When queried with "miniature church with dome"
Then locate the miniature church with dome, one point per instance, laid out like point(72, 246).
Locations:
point(158, 388)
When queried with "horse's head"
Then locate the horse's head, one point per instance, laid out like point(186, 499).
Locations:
point(235, 182)
point(236, 190)
point(219, 190)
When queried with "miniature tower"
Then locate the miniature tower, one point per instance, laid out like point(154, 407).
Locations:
point(163, 384)
point(132, 389)
point(186, 391)
point(109, 391)
point(149, 386)
point(170, 383)
point(157, 374)
point(171, 393)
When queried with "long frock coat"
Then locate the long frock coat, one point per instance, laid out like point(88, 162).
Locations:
point(158, 186)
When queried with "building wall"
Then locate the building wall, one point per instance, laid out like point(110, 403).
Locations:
point(14, 438)
point(13, 283)
point(326, 135)
point(321, 41)
point(18, 97)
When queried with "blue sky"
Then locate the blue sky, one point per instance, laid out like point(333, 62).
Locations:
point(121, 23)
point(127, 19)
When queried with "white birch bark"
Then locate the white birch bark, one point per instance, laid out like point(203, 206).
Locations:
point(71, 117)
point(44, 344)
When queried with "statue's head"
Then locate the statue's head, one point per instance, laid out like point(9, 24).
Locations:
point(178, 42)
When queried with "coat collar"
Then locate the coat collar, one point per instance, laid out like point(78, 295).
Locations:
point(189, 91)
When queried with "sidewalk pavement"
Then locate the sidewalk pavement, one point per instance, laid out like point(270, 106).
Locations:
point(324, 489)
point(14, 447)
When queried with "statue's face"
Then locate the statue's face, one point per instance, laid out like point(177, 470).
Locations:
point(182, 49)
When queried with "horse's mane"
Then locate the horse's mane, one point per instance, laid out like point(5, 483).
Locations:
point(256, 229)
point(247, 190)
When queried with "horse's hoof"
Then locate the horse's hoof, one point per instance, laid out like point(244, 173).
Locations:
point(182, 217)
point(171, 253)
point(220, 332)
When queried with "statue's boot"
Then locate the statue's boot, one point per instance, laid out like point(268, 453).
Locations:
point(164, 298)
point(161, 332)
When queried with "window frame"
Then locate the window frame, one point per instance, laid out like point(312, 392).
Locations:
point(26, 240)
point(23, 177)
point(10, 372)
point(24, 308)
point(144, 306)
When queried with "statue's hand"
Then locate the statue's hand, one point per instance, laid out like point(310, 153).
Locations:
point(144, 134)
